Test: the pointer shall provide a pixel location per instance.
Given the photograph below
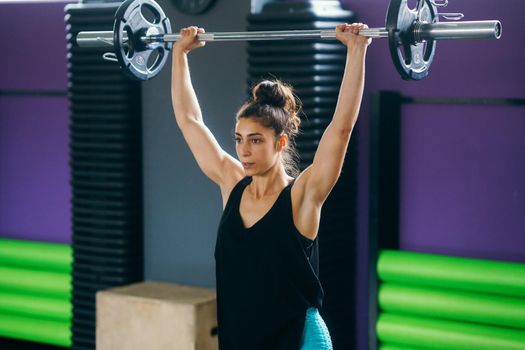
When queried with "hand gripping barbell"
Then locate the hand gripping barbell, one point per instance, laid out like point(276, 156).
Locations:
point(141, 44)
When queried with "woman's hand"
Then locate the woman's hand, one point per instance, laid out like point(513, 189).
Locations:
point(188, 40)
point(348, 34)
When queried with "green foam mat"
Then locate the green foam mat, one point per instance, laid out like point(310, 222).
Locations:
point(456, 305)
point(36, 255)
point(442, 271)
point(37, 330)
point(35, 282)
point(35, 306)
point(398, 347)
point(449, 335)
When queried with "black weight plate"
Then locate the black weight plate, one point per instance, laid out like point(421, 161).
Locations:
point(138, 60)
point(411, 59)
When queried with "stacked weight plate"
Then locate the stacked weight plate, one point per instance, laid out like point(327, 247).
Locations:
point(106, 168)
point(315, 69)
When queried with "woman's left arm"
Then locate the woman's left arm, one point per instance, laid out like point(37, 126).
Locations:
point(320, 177)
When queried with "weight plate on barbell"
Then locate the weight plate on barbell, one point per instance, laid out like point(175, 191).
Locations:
point(412, 59)
point(138, 18)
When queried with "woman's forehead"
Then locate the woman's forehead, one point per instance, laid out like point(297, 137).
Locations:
point(247, 126)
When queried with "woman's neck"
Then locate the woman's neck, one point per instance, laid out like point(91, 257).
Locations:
point(269, 183)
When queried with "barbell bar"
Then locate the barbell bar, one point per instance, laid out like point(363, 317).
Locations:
point(411, 32)
point(425, 31)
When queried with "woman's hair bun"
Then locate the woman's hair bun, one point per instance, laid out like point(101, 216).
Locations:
point(273, 93)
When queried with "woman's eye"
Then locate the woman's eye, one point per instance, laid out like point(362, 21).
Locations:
point(256, 141)
point(237, 140)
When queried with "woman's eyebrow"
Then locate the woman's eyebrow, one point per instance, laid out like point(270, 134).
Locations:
point(250, 135)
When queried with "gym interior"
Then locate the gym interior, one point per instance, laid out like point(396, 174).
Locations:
point(108, 227)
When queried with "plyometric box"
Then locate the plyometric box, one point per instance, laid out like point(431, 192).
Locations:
point(157, 316)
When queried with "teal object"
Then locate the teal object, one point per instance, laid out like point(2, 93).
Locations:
point(315, 334)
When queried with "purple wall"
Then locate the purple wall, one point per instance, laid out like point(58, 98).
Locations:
point(459, 195)
point(463, 181)
point(34, 174)
point(36, 57)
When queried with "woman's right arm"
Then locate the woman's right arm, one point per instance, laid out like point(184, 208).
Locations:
point(218, 165)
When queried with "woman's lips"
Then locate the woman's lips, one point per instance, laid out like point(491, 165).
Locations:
point(247, 165)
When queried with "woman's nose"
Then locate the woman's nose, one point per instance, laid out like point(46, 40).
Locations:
point(245, 148)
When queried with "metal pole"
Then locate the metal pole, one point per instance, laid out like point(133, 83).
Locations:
point(422, 31)
point(271, 35)
point(105, 38)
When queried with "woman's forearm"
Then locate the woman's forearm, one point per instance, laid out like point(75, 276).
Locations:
point(351, 92)
point(185, 104)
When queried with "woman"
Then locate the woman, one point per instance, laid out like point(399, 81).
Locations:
point(268, 291)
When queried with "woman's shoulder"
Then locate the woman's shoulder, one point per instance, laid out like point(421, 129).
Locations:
point(229, 186)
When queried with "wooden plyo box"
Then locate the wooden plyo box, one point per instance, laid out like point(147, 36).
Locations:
point(157, 316)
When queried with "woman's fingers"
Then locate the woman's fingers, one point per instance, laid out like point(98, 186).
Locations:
point(188, 39)
point(348, 34)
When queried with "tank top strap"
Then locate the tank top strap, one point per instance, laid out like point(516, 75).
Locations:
point(235, 196)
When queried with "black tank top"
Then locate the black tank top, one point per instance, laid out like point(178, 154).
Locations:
point(267, 276)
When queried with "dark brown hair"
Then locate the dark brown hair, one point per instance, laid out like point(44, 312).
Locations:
point(274, 105)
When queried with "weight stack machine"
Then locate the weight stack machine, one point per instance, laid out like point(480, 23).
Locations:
point(315, 69)
point(106, 171)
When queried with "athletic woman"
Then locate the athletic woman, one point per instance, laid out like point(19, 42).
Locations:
point(268, 290)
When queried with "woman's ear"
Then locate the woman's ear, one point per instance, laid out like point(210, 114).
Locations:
point(281, 142)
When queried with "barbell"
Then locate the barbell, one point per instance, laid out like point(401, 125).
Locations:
point(142, 37)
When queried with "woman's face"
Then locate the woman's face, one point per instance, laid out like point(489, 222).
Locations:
point(257, 147)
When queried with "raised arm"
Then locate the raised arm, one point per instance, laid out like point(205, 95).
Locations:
point(321, 176)
point(218, 165)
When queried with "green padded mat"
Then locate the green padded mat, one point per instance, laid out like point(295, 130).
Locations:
point(441, 271)
point(438, 334)
point(450, 304)
point(36, 255)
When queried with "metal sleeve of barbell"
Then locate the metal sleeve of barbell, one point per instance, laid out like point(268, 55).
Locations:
point(97, 39)
point(458, 30)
